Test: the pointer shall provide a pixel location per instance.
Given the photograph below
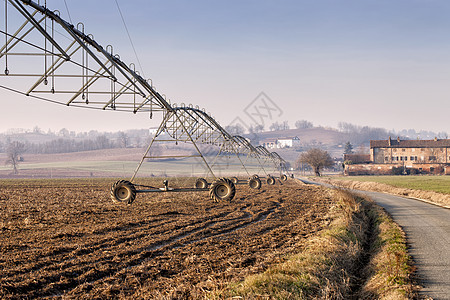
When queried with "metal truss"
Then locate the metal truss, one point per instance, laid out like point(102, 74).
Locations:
point(58, 62)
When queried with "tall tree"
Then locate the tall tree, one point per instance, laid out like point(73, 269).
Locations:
point(317, 159)
point(123, 139)
point(13, 152)
point(348, 148)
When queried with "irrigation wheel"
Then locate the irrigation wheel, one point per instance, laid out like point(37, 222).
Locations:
point(222, 189)
point(235, 180)
point(270, 180)
point(201, 183)
point(254, 183)
point(284, 177)
point(123, 191)
point(254, 176)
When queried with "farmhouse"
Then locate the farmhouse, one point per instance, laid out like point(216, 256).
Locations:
point(395, 156)
point(283, 142)
point(269, 143)
point(288, 142)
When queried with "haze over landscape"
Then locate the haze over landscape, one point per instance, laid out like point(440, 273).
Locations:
point(376, 63)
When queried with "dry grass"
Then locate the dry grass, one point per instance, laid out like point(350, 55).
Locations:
point(433, 183)
point(389, 270)
point(433, 197)
point(323, 269)
point(361, 254)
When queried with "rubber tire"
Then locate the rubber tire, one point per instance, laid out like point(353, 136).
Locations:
point(235, 180)
point(201, 183)
point(270, 180)
point(284, 177)
point(222, 189)
point(123, 191)
point(254, 183)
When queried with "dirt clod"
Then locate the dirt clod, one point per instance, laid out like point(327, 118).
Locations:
point(66, 238)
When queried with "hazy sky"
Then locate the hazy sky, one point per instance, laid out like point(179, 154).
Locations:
point(381, 63)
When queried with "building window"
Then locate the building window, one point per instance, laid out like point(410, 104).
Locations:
point(431, 158)
point(403, 150)
point(386, 158)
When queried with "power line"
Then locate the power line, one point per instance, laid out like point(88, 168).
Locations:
point(129, 37)
point(67, 8)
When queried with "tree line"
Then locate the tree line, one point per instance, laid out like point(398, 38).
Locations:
point(70, 143)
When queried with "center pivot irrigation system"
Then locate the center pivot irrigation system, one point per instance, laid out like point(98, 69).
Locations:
point(58, 62)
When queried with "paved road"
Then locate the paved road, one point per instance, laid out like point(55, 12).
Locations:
point(427, 228)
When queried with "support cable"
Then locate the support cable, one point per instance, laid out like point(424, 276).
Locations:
point(129, 37)
point(67, 8)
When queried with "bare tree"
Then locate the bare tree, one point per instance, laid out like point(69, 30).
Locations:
point(14, 151)
point(279, 126)
point(303, 124)
point(275, 126)
point(138, 141)
point(123, 139)
point(236, 129)
point(317, 159)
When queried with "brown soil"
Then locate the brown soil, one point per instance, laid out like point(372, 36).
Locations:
point(66, 239)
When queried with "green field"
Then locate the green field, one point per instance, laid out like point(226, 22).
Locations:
point(440, 184)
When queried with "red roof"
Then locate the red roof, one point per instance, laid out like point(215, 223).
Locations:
point(395, 143)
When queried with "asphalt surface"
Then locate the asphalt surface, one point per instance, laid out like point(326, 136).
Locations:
point(427, 229)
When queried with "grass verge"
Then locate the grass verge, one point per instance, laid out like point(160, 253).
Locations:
point(361, 254)
point(370, 185)
point(438, 184)
point(389, 269)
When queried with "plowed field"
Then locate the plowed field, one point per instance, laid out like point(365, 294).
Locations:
point(66, 239)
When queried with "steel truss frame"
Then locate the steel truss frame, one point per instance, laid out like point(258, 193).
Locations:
point(71, 68)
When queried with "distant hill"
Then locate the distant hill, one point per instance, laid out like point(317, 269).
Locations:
point(314, 135)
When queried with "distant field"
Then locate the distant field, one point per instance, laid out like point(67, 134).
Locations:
point(95, 167)
point(440, 184)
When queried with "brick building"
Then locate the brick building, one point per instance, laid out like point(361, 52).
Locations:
point(392, 156)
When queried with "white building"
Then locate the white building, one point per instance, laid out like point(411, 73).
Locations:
point(288, 142)
point(278, 143)
point(269, 143)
